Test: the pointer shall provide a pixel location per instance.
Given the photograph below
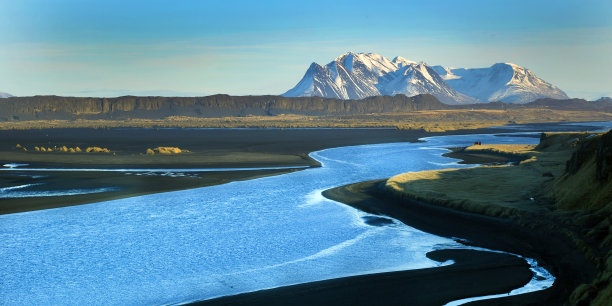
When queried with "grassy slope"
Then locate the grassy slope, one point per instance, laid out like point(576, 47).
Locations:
point(557, 183)
point(428, 120)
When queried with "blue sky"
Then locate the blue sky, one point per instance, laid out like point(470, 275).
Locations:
point(109, 48)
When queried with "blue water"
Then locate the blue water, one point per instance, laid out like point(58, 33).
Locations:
point(201, 243)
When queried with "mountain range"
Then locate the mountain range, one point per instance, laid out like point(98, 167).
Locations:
point(5, 95)
point(361, 75)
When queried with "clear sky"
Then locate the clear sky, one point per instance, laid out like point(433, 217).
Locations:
point(110, 48)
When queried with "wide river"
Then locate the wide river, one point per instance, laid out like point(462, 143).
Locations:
point(202, 243)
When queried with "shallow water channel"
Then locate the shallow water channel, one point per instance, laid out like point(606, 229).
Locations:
point(221, 240)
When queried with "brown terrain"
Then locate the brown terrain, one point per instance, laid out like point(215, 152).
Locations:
point(419, 112)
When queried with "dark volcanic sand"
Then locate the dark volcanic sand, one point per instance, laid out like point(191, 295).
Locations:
point(552, 250)
point(435, 286)
point(210, 148)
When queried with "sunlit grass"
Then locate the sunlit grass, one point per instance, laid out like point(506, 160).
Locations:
point(433, 120)
point(166, 151)
point(493, 190)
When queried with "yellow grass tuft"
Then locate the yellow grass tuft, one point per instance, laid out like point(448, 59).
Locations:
point(66, 149)
point(166, 151)
point(97, 150)
point(516, 149)
point(491, 190)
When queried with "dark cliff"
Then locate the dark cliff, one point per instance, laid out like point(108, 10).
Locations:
point(54, 107)
point(132, 107)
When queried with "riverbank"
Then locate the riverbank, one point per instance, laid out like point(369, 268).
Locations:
point(541, 233)
point(434, 286)
point(208, 148)
point(559, 195)
point(122, 184)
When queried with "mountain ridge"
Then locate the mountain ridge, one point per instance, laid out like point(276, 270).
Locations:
point(359, 75)
point(506, 82)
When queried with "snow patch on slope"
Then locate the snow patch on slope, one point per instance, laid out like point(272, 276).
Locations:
point(505, 82)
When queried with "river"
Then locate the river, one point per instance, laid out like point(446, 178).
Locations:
point(207, 242)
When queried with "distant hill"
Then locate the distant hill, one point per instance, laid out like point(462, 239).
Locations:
point(69, 108)
point(604, 99)
point(5, 95)
point(573, 104)
point(547, 103)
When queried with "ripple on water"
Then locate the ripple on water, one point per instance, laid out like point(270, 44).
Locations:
point(219, 240)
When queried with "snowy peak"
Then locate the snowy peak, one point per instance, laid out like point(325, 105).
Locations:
point(5, 95)
point(413, 79)
point(360, 75)
point(400, 61)
point(370, 62)
point(505, 82)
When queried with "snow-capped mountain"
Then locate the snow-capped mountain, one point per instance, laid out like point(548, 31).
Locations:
point(357, 76)
point(5, 95)
point(501, 82)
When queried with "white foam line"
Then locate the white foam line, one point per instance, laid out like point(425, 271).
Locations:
point(55, 193)
point(314, 197)
point(14, 165)
point(5, 189)
point(319, 158)
point(148, 170)
point(443, 164)
point(542, 279)
point(325, 252)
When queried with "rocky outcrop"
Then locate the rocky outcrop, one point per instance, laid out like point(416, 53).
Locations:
point(589, 148)
point(584, 152)
point(589, 177)
point(604, 158)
